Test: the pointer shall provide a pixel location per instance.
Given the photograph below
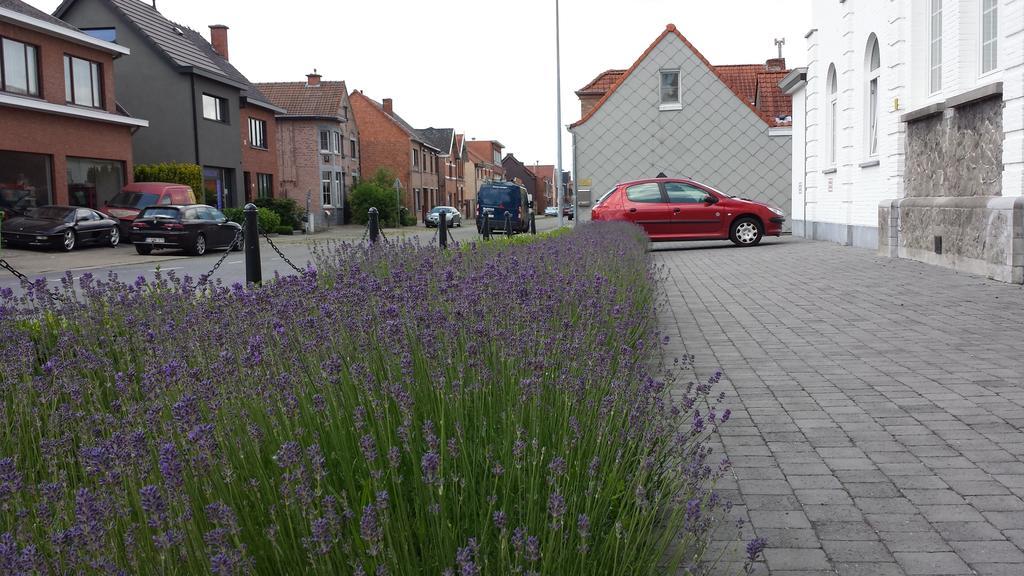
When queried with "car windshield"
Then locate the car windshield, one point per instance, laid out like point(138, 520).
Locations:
point(497, 196)
point(438, 209)
point(160, 213)
point(137, 200)
point(51, 213)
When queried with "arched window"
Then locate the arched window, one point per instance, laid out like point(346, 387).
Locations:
point(832, 113)
point(872, 61)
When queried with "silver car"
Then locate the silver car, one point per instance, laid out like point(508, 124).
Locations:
point(452, 216)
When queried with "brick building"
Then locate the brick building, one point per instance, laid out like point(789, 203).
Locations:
point(485, 156)
point(516, 171)
point(61, 142)
point(452, 165)
point(318, 145)
point(391, 143)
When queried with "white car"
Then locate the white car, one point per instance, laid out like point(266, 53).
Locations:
point(551, 211)
point(452, 216)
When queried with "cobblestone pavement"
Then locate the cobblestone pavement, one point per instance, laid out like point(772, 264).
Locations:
point(878, 405)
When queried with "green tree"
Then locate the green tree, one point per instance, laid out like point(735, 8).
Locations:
point(377, 192)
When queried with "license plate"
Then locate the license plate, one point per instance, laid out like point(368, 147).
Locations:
point(155, 240)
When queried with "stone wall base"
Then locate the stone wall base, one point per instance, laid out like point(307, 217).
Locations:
point(977, 235)
point(848, 235)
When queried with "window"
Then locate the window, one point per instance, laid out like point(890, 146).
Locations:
point(215, 108)
point(325, 141)
point(874, 69)
point(257, 133)
point(336, 143)
point(93, 183)
point(264, 185)
point(105, 34)
point(19, 68)
point(82, 82)
point(684, 193)
point(325, 188)
point(339, 186)
point(671, 95)
point(644, 193)
point(989, 35)
point(935, 47)
point(832, 114)
point(415, 158)
point(352, 147)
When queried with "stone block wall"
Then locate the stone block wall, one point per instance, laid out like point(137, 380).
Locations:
point(956, 153)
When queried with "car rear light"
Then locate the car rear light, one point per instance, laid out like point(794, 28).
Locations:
point(174, 226)
point(138, 226)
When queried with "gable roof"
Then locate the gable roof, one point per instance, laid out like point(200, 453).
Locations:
point(740, 79)
point(23, 15)
point(396, 119)
point(27, 10)
point(250, 92)
point(772, 100)
point(460, 144)
point(175, 42)
point(300, 100)
point(440, 138)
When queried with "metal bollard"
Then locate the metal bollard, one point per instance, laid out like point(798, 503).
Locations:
point(374, 224)
point(253, 266)
point(533, 224)
point(508, 224)
point(442, 230)
point(487, 223)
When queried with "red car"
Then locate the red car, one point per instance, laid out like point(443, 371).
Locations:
point(671, 209)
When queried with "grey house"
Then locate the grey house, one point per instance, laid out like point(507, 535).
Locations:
point(673, 112)
point(194, 98)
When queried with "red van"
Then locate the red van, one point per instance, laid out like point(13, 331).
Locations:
point(126, 205)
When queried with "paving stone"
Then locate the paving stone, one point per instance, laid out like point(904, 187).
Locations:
point(964, 531)
point(951, 513)
point(838, 530)
point(915, 542)
point(931, 563)
point(795, 559)
point(999, 551)
point(856, 551)
point(993, 569)
point(779, 519)
point(869, 569)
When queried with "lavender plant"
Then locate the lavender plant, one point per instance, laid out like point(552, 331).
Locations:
point(400, 410)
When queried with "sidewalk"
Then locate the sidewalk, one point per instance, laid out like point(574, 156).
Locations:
point(878, 405)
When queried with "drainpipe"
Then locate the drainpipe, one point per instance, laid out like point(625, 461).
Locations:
point(195, 120)
point(805, 163)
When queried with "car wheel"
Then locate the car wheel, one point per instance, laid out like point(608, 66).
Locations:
point(746, 232)
point(69, 241)
point(115, 237)
point(143, 249)
point(199, 246)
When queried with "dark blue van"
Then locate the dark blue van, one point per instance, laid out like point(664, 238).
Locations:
point(502, 197)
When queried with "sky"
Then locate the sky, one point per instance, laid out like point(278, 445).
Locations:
point(483, 67)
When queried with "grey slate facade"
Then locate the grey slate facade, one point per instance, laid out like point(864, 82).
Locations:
point(714, 138)
point(165, 79)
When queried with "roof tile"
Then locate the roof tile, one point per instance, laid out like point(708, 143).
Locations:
point(301, 99)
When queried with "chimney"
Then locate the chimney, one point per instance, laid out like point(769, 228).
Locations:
point(388, 107)
point(313, 79)
point(775, 65)
point(219, 39)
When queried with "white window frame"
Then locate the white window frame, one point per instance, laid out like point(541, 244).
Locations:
point(320, 142)
point(831, 114)
point(989, 43)
point(676, 104)
point(220, 108)
point(935, 46)
point(326, 188)
point(258, 133)
point(30, 53)
point(871, 90)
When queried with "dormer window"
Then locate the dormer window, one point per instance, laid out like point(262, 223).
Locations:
point(671, 90)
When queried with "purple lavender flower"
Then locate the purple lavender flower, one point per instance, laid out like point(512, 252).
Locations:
point(556, 508)
point(429, 465)
point(288, 455)
point(369, 448)
point(755, 547)
point(370, 530)
point(557, 466)
point(500, 520)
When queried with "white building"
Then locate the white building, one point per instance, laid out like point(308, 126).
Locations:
point(908, 131)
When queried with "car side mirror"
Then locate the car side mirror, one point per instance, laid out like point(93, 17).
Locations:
point(709, 199)
point(224, 220)
point(530, 204)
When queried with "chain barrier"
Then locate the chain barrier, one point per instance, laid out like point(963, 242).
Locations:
point(238, 239)
point(26, 283)
point(281, 254)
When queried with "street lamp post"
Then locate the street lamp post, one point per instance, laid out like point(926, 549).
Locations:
point(558, 122)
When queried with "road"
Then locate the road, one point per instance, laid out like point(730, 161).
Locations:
point(128, 265)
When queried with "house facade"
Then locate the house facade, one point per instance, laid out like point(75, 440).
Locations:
point(198, 102)
point(391, 143)
point(545, 186)
point(63, 138)
point(516, 171)
point(318, 147)
point(673, 112)
point(908, 131)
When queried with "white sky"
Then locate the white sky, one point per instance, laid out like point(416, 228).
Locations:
point(482, 67)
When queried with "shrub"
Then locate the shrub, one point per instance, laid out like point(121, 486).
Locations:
point(268, 220)
point(378, 193)
point(190, 175)
point(285, 230)
point(358, 417)
point(408, 218)
point(287, 209)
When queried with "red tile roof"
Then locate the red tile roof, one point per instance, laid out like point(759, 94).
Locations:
point(745, 80)
point(300, 99)
point(604, 81)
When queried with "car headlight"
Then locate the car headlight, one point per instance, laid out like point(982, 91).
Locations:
point(777, 211)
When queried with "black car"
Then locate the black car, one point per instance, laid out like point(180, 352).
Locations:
point(63, 227)
point(195, 227)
